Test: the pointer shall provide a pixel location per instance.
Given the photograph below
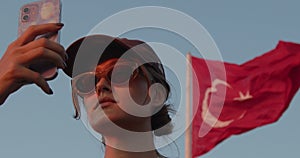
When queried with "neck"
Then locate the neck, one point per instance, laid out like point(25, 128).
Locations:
point(111, 152)
point(130, 146)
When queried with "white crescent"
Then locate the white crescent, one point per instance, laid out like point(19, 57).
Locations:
point(209, 118)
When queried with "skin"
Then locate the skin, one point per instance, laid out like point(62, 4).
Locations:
point(14, 72)
point(101, 117)
point(118, 99)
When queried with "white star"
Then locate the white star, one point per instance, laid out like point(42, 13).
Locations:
point(243, 96)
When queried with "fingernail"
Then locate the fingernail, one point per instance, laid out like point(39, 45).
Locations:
point(50, 91)
point(60, 24)
point(66, 56)
point(64, 65)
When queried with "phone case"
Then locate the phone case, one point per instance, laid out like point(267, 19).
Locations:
point(41, 12)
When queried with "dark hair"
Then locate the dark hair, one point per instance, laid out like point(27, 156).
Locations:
point(162, 117)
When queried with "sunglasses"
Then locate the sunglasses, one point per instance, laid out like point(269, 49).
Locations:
point(117, 75)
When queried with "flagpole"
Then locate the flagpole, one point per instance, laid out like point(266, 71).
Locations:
point(188, 133)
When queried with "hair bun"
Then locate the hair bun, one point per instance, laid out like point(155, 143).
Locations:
point(161, 122)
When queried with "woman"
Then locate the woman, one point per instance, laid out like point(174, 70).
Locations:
point(120, 84)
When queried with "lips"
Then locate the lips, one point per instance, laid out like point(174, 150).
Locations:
point(105, 102)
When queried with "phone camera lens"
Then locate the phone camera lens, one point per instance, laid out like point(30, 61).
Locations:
point(25, 17)
point(26, 10)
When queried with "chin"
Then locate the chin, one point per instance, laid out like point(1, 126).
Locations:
point(105, 124)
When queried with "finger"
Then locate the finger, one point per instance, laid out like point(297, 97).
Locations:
point(3, 98)
point(42, 53)
point(33, 77)
point(46, 43)
point(34, 30)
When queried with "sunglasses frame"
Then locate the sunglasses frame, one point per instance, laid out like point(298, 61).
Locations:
point(76, 93)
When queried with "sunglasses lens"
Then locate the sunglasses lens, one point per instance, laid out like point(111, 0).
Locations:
point(117, 75)
point(121, 74)
point(86, 83)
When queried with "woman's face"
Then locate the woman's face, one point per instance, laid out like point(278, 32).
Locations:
point(106, 105)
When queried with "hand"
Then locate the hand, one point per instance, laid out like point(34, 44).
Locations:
point(14, 71)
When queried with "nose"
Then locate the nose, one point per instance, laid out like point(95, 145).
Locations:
point(103, 86)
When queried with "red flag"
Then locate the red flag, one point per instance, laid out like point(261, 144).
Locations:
point(257, 93)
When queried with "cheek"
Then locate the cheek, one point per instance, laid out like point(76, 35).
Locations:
point(89, 102)
point(136, 93)
point(139, 92)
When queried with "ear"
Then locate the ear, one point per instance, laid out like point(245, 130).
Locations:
point(158, 94)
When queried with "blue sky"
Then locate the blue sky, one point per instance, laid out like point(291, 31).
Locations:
point(34, 124)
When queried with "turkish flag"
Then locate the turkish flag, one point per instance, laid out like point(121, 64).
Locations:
point(230, 99)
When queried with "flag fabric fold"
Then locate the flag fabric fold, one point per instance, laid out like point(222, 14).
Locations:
point(249, 95)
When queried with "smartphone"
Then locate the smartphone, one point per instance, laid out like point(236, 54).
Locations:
point(41, 12)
